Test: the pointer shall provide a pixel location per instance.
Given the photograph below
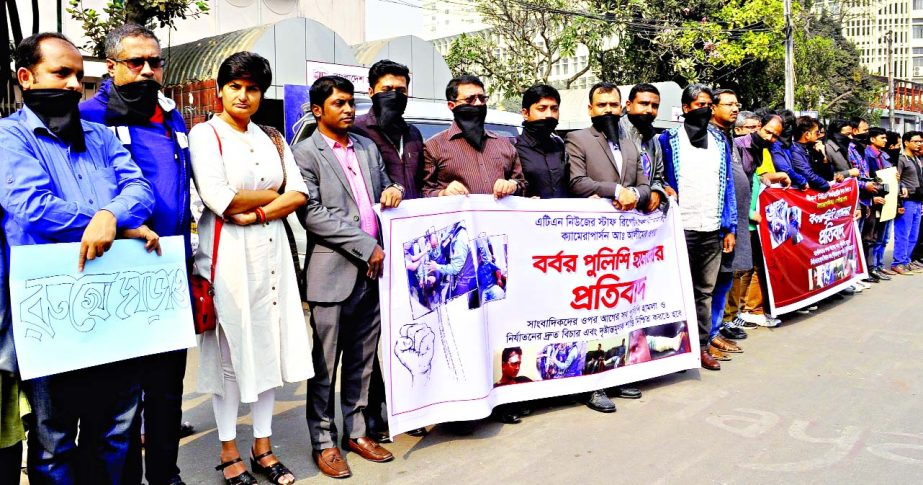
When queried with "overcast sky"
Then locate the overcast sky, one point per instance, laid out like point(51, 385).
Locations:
point(384, 19)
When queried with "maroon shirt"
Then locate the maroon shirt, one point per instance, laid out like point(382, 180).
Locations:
point(404, 168)
point(448, 157)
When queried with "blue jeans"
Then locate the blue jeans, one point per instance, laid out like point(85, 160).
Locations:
point(103, 401)
point(718, 301)
point(906, 232)
point(881, 242)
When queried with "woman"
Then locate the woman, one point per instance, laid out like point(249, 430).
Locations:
point(261, 339)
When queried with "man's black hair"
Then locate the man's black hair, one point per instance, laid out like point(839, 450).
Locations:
point(245, 65)
point(642, 88)
point(508, 352)
point(604, 87)
point(876, 131)
point(836, 126)
point(385, 67)
point(910, 134)
point(716, 94)
point(28, 53)
point(537, 93)
point(803, 124)
point(451, 89)
point(692, 91)
point(324, 86)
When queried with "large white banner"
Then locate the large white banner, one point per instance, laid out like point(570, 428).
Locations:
point(555, 296)
point(125, 304)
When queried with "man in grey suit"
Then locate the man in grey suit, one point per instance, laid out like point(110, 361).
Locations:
point(605, 162)
point(345, 177)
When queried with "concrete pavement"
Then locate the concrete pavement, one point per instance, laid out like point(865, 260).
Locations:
point(830, 398)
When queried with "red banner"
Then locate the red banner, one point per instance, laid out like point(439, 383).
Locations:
point(811, 244)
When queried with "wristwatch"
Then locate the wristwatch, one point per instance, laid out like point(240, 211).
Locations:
point(397, 186)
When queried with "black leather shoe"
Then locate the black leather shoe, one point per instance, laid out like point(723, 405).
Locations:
point(732, 333)
point(377, 429)
point(882, 276)
point(418, 433)
point(599, 401)
point(627, 392)
point(509, 418)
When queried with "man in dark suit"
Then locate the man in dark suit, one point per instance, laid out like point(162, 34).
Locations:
point(345, 177)
point(604, 162)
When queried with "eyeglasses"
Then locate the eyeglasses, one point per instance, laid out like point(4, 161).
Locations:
point(731, 105)
point(137, 63)
point(474, 97)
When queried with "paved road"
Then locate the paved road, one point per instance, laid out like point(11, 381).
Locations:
point(830, 398)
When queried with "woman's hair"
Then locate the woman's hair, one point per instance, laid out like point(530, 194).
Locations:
point(245, 65)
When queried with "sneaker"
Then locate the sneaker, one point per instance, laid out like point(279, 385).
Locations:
point(812, 308)
point(749, 320)
point(768, 321)
point(803, 311)
point(862, 284)
point(857, 288)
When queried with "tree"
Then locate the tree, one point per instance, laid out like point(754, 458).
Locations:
point(150, 13)
point(525, 41)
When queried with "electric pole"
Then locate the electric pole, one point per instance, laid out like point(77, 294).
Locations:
point(789, 58)
point(889, 37)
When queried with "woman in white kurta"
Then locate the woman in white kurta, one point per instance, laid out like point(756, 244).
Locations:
point(262, 339)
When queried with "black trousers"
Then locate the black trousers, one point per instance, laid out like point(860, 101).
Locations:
point(10, 463)
point(704, 250)
point(162, 405)
point(375, 407)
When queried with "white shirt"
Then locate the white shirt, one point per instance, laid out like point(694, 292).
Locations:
point(256, 291)
point(699, 182)
point(617, 156)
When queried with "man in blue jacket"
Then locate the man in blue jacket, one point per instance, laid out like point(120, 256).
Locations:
point(697, 164)
point(805, 136)
point(152, 129)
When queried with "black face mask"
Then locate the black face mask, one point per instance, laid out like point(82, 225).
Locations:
point(786, 138)
point(644, 123)
point(695, 123)
point(608, 125)
point(760, 142)
point(389, 107)
point(841, 140)
point(57, 108)
point(540, 130)
point(132, 103)
point(470, 119)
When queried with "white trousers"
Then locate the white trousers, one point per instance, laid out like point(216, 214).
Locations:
point(226, 407)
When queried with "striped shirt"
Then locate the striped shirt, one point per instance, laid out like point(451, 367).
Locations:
point(449, 157)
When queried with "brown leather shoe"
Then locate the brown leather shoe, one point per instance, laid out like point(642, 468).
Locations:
point(367, 448)
point(899, 269)
point(716, 354)
point(331, 463)
point(708, 362)
point(725, 345)
point(889, 272)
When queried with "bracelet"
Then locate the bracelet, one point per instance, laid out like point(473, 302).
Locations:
point(260, 215)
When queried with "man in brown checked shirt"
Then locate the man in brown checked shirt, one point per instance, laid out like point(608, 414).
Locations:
point(466, 158)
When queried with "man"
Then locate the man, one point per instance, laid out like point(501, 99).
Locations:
point(510, 362)
point(71, 181)
point(836, 148)
point(875, 232)
point(603, 162)
point(698, 165)
point(781, 150)
point(400, 143)
point(806, 136)
point(153, 131)
point(541, 152)
point(868, 193)
point(606, 163)
point(907, 224)
point(746, 305)
point(747, 122)
point(345, 175)
point(641, 109)
point(401, 147)
point(725, 112)
point(466, 158)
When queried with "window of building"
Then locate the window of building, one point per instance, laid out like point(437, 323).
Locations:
point(918, 31)
point(918, 4)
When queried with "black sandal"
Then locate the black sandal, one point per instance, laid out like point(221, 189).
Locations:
point(244, 478)
point(274, 472)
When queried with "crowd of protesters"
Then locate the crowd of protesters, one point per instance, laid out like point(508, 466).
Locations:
point(712, 166)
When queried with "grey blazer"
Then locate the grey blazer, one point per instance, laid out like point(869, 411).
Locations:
point(593, 170)
point(338, 248)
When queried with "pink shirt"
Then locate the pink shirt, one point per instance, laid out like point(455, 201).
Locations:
point(350, 164)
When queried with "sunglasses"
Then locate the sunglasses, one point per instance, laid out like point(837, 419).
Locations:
point(474, 97)
point(137, 63)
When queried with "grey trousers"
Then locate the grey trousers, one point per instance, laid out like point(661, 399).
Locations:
point(704, 262)
point(346, 331)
